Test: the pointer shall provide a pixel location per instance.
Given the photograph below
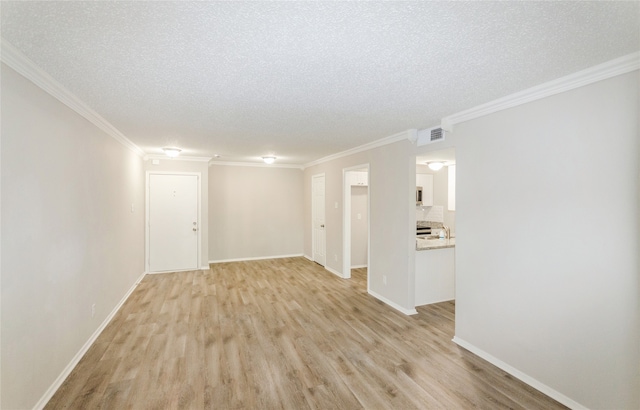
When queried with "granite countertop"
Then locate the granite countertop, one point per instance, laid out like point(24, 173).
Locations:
point(423, 244)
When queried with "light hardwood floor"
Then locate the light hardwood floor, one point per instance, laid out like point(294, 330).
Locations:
point(277, 334)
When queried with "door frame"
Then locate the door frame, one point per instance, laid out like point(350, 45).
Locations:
point(313, 211)
point(146, 215)
point(346, 220)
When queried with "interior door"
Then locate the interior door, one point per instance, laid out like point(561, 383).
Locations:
point(173, 222)
point(318, 212)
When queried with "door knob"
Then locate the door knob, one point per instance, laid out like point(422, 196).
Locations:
point(194, 229)
point(322, 226)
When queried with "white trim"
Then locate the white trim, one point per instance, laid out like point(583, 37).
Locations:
point(83, 350)
point(308, 257)
point(358, 266)
point(27, 68)
point(254, 164)
point(205, 267)
point(258, 258)
point(404, 135)
point(180, 158)
point(591, 75)
point(147, 250)
point(393, 304)
point(160, 272)
point(519, 375)
point(335, 272)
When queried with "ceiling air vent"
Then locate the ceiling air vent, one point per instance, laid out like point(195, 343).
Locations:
point(437, 134)
point(430, 135)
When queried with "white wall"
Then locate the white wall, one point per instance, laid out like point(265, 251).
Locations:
point(202, 167)
point(359, 227)
point(69, 238)
point(392, 218)
point(553, 291)
point(254, 212)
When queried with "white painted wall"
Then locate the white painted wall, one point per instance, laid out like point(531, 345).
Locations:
point(69, 238)
point(391, 213)
point(553, 291)
point(254, 212)
point(179, 165)
point(359, 227)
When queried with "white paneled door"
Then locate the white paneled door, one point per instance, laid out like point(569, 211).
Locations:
point(317, 203)
point(173, 222)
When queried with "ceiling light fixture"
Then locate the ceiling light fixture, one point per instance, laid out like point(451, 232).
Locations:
point(435, 166)
point(172, 151)
point(268, 160)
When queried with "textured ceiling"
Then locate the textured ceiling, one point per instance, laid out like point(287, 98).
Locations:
point(303, 80)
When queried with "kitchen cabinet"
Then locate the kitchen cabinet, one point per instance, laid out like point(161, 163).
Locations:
point(358, 178)
point(435, 276)
point(426, 182)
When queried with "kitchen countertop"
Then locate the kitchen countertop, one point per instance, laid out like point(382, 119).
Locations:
point(434, 243)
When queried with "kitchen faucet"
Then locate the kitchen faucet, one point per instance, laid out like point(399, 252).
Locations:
point(447, 232)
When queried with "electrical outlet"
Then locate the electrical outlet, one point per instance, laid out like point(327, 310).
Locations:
point(93, 310)
point(384, 279)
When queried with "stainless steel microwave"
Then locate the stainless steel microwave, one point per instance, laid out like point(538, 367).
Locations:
point(418, 196)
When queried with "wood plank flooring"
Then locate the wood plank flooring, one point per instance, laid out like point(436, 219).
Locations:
point(281, 334)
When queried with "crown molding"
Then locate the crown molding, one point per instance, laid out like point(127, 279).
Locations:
point(410, 135)
point(255, 164)
point(28, 69)
point(179, 158)
point(618, 66)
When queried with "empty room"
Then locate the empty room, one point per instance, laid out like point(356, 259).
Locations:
point(320, 205)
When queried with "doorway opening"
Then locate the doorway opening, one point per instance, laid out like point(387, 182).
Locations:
point(356, 220)
point(434, 279)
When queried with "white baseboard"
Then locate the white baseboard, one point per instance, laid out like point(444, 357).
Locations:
point(259, 258)
point(335, 272)
point(519, 375)
point(358, 266)
point(175, 271)
point(309, 257)
point(435, 301)
point(393, 304)
point(207, 267)
point(72, 364)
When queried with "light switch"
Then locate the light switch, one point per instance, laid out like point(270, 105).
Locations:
point(131, 208)
point(336, 205)
point(359, 216)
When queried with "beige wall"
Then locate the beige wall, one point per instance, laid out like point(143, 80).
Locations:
point(391, 214)
point(201, 167)
point(553, 291)
point(254, 212)
point(69, 238)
